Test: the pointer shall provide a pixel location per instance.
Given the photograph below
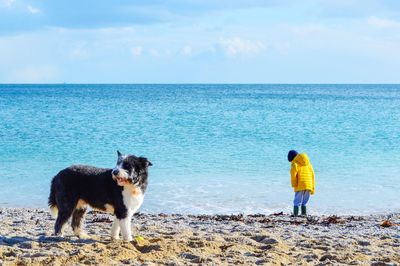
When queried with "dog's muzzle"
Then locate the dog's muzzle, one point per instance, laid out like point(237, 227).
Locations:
point(120, 176)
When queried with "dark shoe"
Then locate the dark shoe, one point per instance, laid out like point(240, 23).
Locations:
point(295, 210)
point(304, 210)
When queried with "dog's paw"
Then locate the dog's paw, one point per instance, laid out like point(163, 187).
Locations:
point(115, 237)
point(128, 239)
point(83, 236)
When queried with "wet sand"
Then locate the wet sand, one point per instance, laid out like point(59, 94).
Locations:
point(167, 239)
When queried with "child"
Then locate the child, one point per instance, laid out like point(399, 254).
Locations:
point(303, 180)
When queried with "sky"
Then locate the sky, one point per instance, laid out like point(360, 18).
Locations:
point(200, 41)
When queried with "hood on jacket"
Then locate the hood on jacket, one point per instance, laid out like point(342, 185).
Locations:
point(301, 159)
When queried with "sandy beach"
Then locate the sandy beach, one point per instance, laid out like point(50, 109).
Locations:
point(172, 239)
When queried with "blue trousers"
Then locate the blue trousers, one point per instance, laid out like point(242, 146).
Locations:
point(301, 198)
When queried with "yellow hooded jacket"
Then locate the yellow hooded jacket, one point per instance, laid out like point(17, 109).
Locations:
point(302, 174)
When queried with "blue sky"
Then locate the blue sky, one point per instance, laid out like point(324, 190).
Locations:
point(194, 41)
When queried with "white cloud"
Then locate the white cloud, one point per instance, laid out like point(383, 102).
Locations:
point(187, 50)
point(6, 3)
point(283, 47)
point(236, 46)
point(383, 23)
point(307, 29)
point(35, 74)
point(154, 52)
point(80, 51)
point(137, 50)
point(116, 30)
point(32, 10)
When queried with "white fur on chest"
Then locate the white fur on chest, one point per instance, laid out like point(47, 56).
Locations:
point(132, 197)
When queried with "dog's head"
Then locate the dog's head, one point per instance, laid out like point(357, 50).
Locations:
point(130, 169)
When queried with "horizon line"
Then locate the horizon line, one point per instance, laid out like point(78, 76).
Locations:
point(196, 83)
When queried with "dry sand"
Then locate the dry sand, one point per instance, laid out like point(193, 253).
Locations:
point(25, 239)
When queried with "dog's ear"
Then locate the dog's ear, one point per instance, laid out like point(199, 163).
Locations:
point(119, 154)
point(145, 162)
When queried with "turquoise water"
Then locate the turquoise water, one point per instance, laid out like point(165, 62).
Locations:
point(214, 148)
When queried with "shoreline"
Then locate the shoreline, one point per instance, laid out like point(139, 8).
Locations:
point(287, 210)
point(175, 239)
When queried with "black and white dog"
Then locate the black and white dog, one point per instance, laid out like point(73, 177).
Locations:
point(119, 191)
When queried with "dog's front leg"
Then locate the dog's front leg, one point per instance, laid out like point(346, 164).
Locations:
point(125, 225)
point(115, 229)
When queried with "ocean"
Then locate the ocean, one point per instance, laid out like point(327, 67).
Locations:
point(214, 148)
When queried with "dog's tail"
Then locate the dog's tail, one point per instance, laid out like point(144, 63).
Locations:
point(52, 199)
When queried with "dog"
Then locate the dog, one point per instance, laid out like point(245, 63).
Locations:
point(118, 191)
